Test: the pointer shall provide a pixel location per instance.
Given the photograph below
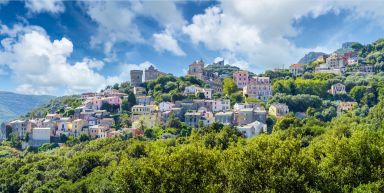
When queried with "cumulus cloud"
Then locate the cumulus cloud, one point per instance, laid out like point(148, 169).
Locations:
point(49, 6)
point(256, 32)
point(165, 42)
point(116, 22)
point(40, 66)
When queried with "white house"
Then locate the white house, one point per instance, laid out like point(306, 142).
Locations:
point(252, 129)
point(191, 89)
point(40, 135)
point(166, 106)
point(225, 118)
point(221, 105)
point(337, 89)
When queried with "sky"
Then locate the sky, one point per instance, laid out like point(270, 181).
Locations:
point(69, 47)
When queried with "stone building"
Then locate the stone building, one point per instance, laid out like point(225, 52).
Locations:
point(151, 73)
point(136, 77)
point(196, 69)
point(278, 109)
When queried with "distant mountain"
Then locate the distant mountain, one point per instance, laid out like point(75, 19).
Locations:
point(311, 56)
point(13, 105)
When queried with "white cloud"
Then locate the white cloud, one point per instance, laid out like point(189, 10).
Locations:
point(93, 63)
point(39, 65)
point(116, 22)
point(165, 13)
point(50, 6)
point(165, 42)
point(255, 32)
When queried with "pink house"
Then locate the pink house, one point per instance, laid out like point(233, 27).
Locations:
point(112, 100)
point(259, 88)
point(241, 78)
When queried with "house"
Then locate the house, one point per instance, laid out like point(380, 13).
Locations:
point(345, 106)
point(252, 129)
point(139, 91)
point(245, 116)
point(143, 110)
point(208, 118)
point(241, 78)
point(166, 106)
point(64, 125)
point(337, 89)
point(225, 118)
point(77, 126)
point(98, 131)
point(206, 91)
point(259, 88)
point(19, 127)
point(221, 105)
point(334, 64)
point(353, 61)
point(97, 102)
point(40, 136)
point(54, 116)
point(134, 131)
point(144, 100)
point(238, 106)
point(260, 114)
point(193, 118)
point(278, 109)
point(296, 69)
point(107, 122)
point(86, 95)
point(191, 89)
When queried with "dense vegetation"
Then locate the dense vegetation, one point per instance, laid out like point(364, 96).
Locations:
point(62, 104)
point(170, 88)
point(344, 155)
point(226, 70)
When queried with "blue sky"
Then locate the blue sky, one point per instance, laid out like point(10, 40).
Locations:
point(68, 47)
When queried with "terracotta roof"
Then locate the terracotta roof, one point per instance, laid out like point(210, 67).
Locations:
point(296, 66)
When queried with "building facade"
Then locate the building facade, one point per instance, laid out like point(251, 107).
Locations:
point(136, 77)
point(152, 74)
point(196, 69)
point(259, 88)
point(241, 78)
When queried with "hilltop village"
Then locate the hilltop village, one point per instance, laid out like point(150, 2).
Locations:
point(157, 105)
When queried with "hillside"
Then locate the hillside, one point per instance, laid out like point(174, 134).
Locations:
point(13, 105)
point(373, 53)
point(301, 156)
point(222, 70)
point(311, 56)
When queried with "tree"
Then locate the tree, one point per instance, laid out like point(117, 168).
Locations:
point(229, 86)
point(358, 92)
point(201, 95)
point(84, 137)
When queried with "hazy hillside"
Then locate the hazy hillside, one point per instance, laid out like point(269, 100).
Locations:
point(311, 56)
point(13, 105)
